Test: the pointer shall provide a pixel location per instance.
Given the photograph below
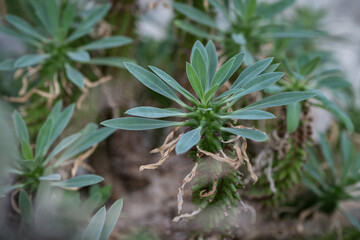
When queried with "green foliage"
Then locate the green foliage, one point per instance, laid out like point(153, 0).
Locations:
point(335, 183)
point(59, 37)
point(33, 166)
point(249, 25)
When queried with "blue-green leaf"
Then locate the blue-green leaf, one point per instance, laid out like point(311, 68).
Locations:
point(194, 80)
point(293, 112)
point(195, 14)
point(7, 65)
point(23, 26)
point(252, 134)
point(112, 216)
point(30, 60)
point(79, 181)
point(248, 115)
point(74, 76)
point(51, 177)
point(95, 227)
point(109, 42)
point(135, 123)
point(188, 140)
point(213, 60)
point(196, 31)
point(153, 112)
point(109, 61)
point(80, 56)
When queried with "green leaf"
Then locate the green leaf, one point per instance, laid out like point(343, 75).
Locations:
point(23, 26)
point(188, 140)
point(248, 115)
point(252, 134)
point(196, 31)
point(251, 72)
point(310, 66)
point(332, 107)
point(199, 65)
point(40, 11)
point(74, 76)
point(66, 142)
point(109, 42)
point(271, 9)
point(7, 65)
point(222, 73)
point(194, 80)
point(80, 56)
point(21, 128)
point(223, 10)
point(174, 84)
point(351, 218)
point(42, 140)
point(151, 81)
point(213, 60)
point(61, 121)
point(281, 99)
point(135, 123)
point(311, 186)
point(109, 61)
point(53, 15)
point(333, 82)
point(250, 9)
point(25, 207)
point(293, 112)
point(326, 151)
point(112, 216)
point(195, 14)
point(95, 227)
point(30, 60)
point(85, 26)
point(79, 181)
point(298, 33)
point(347, 156)
point(200, 47)
point(20, 36)
point(51, 177)
point(210, 93)
point(26, 150)
point(153, 112)
point(68, 17)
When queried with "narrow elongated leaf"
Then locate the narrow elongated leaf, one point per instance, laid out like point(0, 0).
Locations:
point(196, 31)
point(281, 99)
point(347, 154)
point(95, 227)
point(51, 177)
point(79, 181)
point(153, 112)
point(20, 36)
point(74, 76)
point(109, 61)
point(61, 121)
point(222, 73)
point(271, 9)
point(332, 107)
point(293, 112)
point(251, 72)
point(194, 80)
point(210, 93)
point(135, 123)
point(333, 82)
point(249, 115)
point(43, 138)
point(67, 17)
point(25, 207)
point(80, 56)
point(351, 218)
point(222, 9)
point(21, 128)
point(326, 151)
point(109, 42)
point(61, 146)
point(112, 216)
point(23, 26)
point(213, 60)
point(252, 134)
point(298, 33)
point(30, 60)
point(200, 47)
point(195, 14)
point(151, 81)
point(174, 84)
point(40, 11)
point(188, 140)
point(199, 64)
point(309, 184)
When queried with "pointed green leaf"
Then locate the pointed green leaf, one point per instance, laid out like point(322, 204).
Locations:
point(248, 115)
point(194, 80)
point(30, 60)
point(151, 81)
point(21, 128)
point(293, 112)
point(20, 36)
point(196, 31)
point(68, 16)
point(251, 72)
point(112, 216)
point(95, 227)
point(42, 140)
point(213, 60)
point(61, 146)
point(74, 76)
point(351, 218)
point(53, 15)
point(109, 42)
point(195, 14)
point(25, 207)
point(153, 112)
point(281, 99)
point(199, 65)
point(252, 134)
point(222, 73)
point(109, 61)
point(80, 56)
point(210, 93)
point(7, 65)
point(188, 140)
point(326, 151)
point(51, 177)
point(79, 181)
point(135, 123)
point(23, 26)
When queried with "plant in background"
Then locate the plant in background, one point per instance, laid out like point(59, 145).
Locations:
point(249, 25)
point(31, 166)
point(58, 38)
point(281, 166)
point(53, 217)
point(334, 182)
point(213, 125)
